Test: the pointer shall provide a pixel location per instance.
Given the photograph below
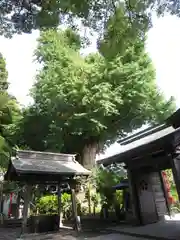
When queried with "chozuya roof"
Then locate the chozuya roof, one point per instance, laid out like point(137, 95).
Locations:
point(32, 162)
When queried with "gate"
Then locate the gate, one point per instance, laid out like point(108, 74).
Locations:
point(146, 200)
point(152, 202)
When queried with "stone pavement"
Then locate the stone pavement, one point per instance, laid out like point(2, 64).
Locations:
point(115, 237)
point(164, 230)
point(8, 233)
point(169, 229)
point(11, 234)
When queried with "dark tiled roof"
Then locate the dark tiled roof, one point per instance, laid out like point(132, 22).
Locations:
point(44, 166)
point(30, 162)
point(125, 150)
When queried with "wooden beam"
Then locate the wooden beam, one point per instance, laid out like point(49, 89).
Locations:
point(150, 161)
point(1, 202)
point(89, 198)
point(59, 204)
point(77, 223)
point(17, 205)
point(27, 197)
point(134, 198)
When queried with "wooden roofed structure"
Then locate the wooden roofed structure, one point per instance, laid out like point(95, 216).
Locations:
point(36, 167)
point(145, 155)
point(161, 143)
point(31, 168)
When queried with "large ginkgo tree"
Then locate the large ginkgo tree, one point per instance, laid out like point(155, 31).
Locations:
point(83, 103)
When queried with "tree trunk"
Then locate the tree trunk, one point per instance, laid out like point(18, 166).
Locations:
point(88, 156)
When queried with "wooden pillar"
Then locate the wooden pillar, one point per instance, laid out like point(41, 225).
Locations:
point(27, 197)
point(89, 198)
point(77, 223)
point(17, 205)
point(133, 195)
point(165, 193)
point(1, 202)
point(176, 173)
point(59, 204)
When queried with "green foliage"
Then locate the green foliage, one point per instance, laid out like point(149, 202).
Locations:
point(118, 169)
point(175, 208)
point(9, 114)
point(9, 187)
point(3, 74)
point(4, 154)
point(49, 204)
point(32, 125)
point(172, 185)
point(95, 198)
point(82, 103)
point(170, 176)
point(119, 34)
point(119, 196)
point(66, 205)
point(5, 116)
point(23, 16)
point(103, 180)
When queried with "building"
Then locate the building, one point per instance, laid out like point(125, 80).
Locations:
point(145, 155)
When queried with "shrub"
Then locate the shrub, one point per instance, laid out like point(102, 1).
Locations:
point(119, 196)
point(175, 208)
point(66, 205)
point(49, 205)
point(104, 180)
point(95, 198)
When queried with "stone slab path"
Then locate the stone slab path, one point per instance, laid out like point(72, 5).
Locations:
point(12, 234)
point(165, 230)
point(9, 234)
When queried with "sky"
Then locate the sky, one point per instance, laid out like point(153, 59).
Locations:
point(163, 46)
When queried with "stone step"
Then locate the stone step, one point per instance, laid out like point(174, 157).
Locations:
point(12, 223)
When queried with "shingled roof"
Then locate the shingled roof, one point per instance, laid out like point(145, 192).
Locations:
point(42, 165)
point(159, 139)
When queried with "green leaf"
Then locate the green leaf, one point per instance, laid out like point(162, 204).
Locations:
point(81, 103)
